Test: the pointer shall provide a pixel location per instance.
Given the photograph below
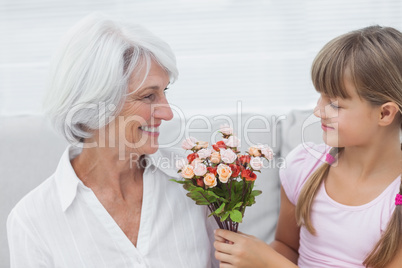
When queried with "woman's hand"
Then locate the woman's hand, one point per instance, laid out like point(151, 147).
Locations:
point(241, 251)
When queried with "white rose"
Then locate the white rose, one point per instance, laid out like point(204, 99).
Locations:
point(232, 141)
point(200, 169)
point(181, 163)
point(196, 162)
point(266, 151)
point(226, 129)
point(189, 143)
point(204, 153)
point(228, 156)
point(256, 163)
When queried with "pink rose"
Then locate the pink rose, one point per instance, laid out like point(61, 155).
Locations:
point(204, 153)
point(210, 180)
point(226, 129)
point(266, 151)
point(215, 157)
point(181, 163)
point(200, 169)
point(256, 163)
point(232, 141)
point(187, 172)
point(224, 172)
point(228, 156)
point(254, 151)
point(188, 143)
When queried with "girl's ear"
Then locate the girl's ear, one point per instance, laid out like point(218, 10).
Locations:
point(388, 113)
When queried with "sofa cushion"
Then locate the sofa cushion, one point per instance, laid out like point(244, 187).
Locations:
point(298, 127)
point(30, 152)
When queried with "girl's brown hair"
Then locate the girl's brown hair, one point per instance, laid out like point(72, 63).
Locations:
point(373, 58)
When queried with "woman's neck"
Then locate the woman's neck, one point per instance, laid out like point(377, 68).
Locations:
point(101, 168)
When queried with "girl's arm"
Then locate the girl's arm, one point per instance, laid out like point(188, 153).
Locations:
point(242, 251)
point(287, 231)
point(238, 250)
point(396, 261)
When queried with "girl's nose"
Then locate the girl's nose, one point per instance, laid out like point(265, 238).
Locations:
point(319, 109)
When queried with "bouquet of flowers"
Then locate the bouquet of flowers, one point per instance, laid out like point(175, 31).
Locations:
point(221, 177)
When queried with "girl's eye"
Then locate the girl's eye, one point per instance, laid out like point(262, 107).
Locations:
point(334, 105)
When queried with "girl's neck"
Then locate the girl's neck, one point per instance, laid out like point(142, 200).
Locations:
point(369, 161)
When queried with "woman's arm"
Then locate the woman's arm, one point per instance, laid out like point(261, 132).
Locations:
point(287, 231)
point(26, 250)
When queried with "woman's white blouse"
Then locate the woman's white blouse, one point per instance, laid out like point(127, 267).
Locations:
point(61, 223)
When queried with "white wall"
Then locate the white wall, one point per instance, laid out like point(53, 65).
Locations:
point(254, 53)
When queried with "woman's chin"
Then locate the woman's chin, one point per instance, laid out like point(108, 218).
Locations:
point(152, 150)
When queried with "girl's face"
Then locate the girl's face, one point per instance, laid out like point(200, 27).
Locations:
point(347, 122)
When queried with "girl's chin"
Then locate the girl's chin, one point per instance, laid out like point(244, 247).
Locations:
point(331, 141)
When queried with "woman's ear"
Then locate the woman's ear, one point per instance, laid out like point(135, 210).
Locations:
point(389, 111)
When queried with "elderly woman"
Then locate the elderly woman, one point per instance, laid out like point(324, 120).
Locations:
point(109, 204)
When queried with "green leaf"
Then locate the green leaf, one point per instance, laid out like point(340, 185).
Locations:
point(220, 209)
point(181, 182)
point(256, 192)
point(220, 192)
point(225, 216)
point(250, 200)
point(236, 216)
point(211, 193)
point(202, 202)
point(189, 186)
point(238, 205)
point(201, 196)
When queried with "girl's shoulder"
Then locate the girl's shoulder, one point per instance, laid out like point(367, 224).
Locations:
point(300, 163)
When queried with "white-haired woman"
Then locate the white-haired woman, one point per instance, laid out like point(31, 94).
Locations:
point(109, 204)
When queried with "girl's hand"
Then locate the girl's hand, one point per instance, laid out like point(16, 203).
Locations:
point(241, 251)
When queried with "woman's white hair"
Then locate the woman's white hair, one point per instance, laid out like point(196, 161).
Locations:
point(90, 74)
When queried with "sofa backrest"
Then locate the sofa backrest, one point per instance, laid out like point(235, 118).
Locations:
point(30, 151)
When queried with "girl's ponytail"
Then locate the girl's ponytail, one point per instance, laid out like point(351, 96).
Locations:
point(386, 248)
point(309, 191)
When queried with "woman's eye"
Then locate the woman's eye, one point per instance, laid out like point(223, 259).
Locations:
point(150, 97)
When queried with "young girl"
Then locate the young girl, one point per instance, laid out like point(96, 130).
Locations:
point(347, 211)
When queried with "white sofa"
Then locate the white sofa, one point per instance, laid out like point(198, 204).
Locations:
point(30, 151)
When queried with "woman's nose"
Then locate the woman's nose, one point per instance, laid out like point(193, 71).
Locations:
point(163, 111)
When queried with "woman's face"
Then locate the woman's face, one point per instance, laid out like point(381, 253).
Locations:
point(143, 112)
